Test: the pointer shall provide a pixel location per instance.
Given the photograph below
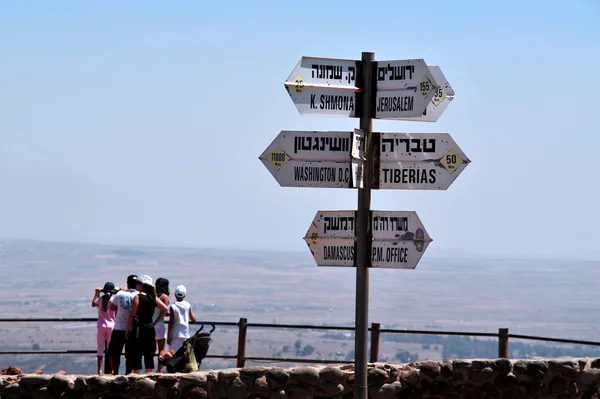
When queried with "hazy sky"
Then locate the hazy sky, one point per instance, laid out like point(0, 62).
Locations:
point(129, 121)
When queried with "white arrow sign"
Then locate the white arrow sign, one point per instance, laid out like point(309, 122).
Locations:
point(442, 98)
point(418, 161)
point(327, 159)
point(404, 88)
point(403, 74)
point(399, 239)
point(324, 86)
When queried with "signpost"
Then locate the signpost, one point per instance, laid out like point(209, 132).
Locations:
point(404, 88)
point(442, 98)
point(324, 86)
point(399, 239)
point(325, 159)
point(418, 161)
point(399, 89)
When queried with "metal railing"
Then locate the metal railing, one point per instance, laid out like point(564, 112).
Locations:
point(243, 325)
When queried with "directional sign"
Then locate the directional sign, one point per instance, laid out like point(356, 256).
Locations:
point(324, 86)
point(404, 88)
point(329, 159)
point(403, 74)
point(442, 98)
point(418, 161)
point(399, 239)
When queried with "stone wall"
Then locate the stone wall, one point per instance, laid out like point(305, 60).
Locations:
point(494, 379)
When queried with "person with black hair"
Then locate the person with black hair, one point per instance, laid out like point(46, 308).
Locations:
point(121, 303)
point(106, 320)
point(162, 293)
point(143, 338)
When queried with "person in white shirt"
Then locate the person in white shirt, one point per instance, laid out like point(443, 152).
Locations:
point(121, 303)
point(180, 315)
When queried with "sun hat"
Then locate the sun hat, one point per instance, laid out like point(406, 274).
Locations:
point(144, 279)
point(180, 291)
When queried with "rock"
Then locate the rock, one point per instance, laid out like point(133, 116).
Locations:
point(557, 386)
point(332, 389)
point(278, 394)
point(173, 393)
point(514, 393)
point(440, 388)
point(520, 367)
point(491, 391)
point(278, 376)
point(97, 383)
point(534, 388)
point(60, 383)
point(253, 372)
point(389, 391)
point(11, 390)
point(91, 395)
point(409, 377)
point(331, 374)
point(394, 374)
point(11, 370)
point(34, 382)
point(295, 391)
point(502, 366)
point(595, 363)
point(80, 384)
point(142, 388)
point(461, 365)
point(42, 393)
point(411, 393)
point(260, 387)
point(349, 380)
point(481, 375)
point(430, 370)
point(36, 372)
point(446, 369)
point(459, 378)
point(468, 391)
point(118, 385)
point(537, 370)
point(197, 379)
point(371, 392)
point(480, 364)
point(377, 377)
point(505, 382)
point(589, 376)
point(229, 374)
point(167, 380)
point(305, 375)
point(565, 368)
point(61, 372)
point(236, 390)
point(192, 392)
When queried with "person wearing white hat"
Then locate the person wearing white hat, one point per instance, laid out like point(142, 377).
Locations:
point(143, 334)
point(180, 315)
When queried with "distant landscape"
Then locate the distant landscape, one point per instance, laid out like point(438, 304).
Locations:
point(555, 298)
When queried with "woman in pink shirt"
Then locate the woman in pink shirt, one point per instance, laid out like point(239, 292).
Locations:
point(106, 319)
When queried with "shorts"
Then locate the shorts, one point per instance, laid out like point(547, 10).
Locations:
point(176, 343)
point(103, 340)
point(161, 330)
point(117, 341)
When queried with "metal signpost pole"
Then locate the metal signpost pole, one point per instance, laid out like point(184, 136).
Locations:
point(363, 235)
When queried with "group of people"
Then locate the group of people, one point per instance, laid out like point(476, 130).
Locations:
point(134, 318)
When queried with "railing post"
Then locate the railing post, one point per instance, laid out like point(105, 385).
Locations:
point(503, 343)
point(241, 353)
point(374, 355)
